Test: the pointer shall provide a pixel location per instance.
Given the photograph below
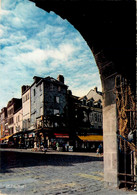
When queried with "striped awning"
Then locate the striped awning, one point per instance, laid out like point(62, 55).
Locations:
point(90, 138)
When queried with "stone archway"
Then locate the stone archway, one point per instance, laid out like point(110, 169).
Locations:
point(108, 27)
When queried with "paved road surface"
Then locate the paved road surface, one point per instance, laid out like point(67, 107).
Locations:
point(26, 173)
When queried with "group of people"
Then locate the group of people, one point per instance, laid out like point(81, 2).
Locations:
point(38, 147)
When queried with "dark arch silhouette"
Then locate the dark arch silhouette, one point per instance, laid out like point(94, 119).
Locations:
point(108, 27)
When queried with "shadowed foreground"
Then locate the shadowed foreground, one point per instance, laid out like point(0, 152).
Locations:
point(53, 173)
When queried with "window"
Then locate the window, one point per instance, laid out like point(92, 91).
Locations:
point(40, 87)
point(56, 124)
point(34, 92)
point(84, 102)
point(41, 111)
point(10, 121)
point(91, 103)
point(56, 100)
point(28, 96)
point(85, 119)
point(100, 118)
point(56, 111)
point(99, 105)
point(10, 111)
point(59, 88)
point(95, 115)
point(91, 117)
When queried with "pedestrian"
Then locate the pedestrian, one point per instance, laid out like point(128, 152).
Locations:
point(100, 149)
point(57, 146)
point(35, 146)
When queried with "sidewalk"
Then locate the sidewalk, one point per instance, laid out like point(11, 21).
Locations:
point(50, 151)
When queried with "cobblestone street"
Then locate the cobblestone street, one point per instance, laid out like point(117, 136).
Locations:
point(25, 172)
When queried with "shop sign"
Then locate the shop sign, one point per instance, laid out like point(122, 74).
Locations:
point(61, 135)
point(32, 135)
point(6, 131)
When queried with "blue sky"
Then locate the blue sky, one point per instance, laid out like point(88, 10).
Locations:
point(37, 43)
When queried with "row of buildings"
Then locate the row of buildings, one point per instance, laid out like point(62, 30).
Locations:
point(48, 113)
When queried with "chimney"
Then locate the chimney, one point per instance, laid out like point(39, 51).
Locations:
point(37, 79)
point(24, 88)
point(69, 92)
point(60, 78)
point(96, 89)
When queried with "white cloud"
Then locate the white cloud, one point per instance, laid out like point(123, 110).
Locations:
point(4, 12)
point(34, 42)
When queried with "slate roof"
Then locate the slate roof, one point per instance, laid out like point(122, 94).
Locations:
point(93, 94)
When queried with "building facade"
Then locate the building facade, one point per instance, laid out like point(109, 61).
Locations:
point(37, 105)
point(13, 105)
point(87, 117)
point(25, 89)
point(48, 102)
point(48, 98)
point(18, 120)
point(3, 122)
point(91, 106)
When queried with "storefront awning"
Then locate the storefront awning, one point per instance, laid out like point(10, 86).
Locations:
point(90, 138)
point(6, 137)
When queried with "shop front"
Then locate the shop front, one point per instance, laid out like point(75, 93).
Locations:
point(29, 139)
point(60, 141)
point(4, 142)
point(88, 142)
point(43, 137)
